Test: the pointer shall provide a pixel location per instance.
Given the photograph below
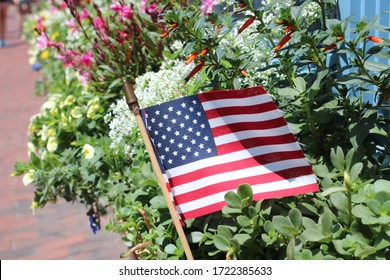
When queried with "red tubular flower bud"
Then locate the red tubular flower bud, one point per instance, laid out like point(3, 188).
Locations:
point(283, 42)
point(331, 46)
point(173, 25)
point(246, 24)
point(288, 28)
point(191, 58)
point(203, 52)
point(278, 21)
point(165, 34)
point(375, 39)
point(194, 71)
point(243, 72)
point(339, 38)
point(241, 5)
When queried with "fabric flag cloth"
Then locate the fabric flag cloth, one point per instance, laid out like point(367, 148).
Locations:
point(210, 143)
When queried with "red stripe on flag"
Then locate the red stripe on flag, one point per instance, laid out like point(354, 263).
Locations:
point(254, 142)
point(239, 110)
point(234, 165)
point(232, 184)
point(242, 126)
point(227, 94)
point(287, 192)
point(256, 196)
point(203, 211)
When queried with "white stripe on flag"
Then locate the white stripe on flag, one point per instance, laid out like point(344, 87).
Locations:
point(232, 102)
point(233, 137)
point(266, 116)
point(238, 174)
point(257, 189)
point(231, 157)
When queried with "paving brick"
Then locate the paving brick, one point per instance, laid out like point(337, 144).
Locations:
point(59, 231)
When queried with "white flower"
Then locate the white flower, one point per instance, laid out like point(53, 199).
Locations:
point(31, 148)
point(52, 144)
point(28, 178)
point(88, 151)
point(151, 89)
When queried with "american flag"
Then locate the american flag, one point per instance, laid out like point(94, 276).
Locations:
point(210, 143)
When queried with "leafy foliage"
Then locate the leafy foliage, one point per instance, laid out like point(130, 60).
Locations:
point(316, 68)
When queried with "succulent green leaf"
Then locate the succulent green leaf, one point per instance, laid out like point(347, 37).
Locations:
point(221, 243)
point(296, 218)
point(233, 200)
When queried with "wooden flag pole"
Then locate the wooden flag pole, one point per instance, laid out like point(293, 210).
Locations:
point(132, 102)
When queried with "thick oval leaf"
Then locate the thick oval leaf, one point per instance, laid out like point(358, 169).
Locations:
point(300, 84)
point(355, 171)
point(158, 202)
point(340, 201)
point(326, 222)
point(243, 238)
point(290, 249)
point(382, 197)
point(224, 231)
point(312, 234)
point(245, 191)
point(338, 159)
point(331, 190)
point(296, 218)
point(170, 249)
point(374, 206)
point(221, 243)
point(382, 185)
point(361, 211)
point(233, 200)
point(195, 237)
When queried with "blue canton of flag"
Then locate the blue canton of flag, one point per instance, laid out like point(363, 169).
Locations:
point(180, 131)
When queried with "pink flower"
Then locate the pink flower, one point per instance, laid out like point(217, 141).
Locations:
point(42, 41)
point(86, 59)
point(116, 7)
point(123, 11)
point(53, 9)
point(63, 6)
point(84, 14)
point(126, 12)
point(40, 25)
point(70, 23)
point(208, 5)
point(99, 24)
point(69, 58)
point(83, 78)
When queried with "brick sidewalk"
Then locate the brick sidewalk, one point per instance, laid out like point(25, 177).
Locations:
point(59, 231)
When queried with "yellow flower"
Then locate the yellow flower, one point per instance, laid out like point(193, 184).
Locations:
point(92, 110)
point(54, 111)
point(52, 144)
point(54, 35)
point(93, 101)
point(88, 151)
point(49, 104)
point(69, 100)
point(28, 178)
point(45, 54)
point(76, 112)
point(34, 205)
